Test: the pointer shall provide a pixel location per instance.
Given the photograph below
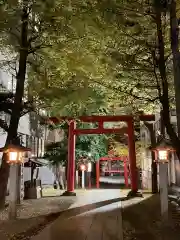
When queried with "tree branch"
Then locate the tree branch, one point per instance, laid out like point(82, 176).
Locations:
point(130, 92)
point(155, 74)
point(38, 47)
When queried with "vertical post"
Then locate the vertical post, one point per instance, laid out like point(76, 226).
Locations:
point(71, 160)
point(89, 170)
point(97, 174)
point(163, 184)
point(89, 179)
point(132, 157)
point(101, 125)
point(126, 173)
point(77, 179)
point(13, 191)
point(83, 179)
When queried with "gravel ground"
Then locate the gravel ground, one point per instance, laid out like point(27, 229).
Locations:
point(143, 221)
point(32, 215)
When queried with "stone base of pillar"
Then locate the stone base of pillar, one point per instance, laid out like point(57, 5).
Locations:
point(133, 193)
point(69, 194)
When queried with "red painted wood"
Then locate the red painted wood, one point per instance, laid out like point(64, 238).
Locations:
point(97, 174)
point(101, 125)
point(126, 174)
point(132, 156)
point(71, 158)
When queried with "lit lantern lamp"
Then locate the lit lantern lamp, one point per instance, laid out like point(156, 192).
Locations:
point(83, 167)
point(162, 149)
point(162, 155)
point(15, 153)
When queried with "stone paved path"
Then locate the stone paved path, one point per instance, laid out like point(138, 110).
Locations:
point(94, 215)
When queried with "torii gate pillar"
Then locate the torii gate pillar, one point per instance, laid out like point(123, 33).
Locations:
point(132, 158)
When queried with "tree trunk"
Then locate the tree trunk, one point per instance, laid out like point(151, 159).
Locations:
point(153, 164)
point(174, 34)
point(164, 99)
point(16, 109)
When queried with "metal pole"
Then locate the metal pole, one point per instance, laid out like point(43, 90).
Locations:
point(163, 184)
point(82, 180)
point(13, 191)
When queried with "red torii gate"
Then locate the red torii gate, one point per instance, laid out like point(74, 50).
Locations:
point(129, 119)
point(121, 158)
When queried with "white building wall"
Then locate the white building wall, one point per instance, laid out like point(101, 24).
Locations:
point(46, 175)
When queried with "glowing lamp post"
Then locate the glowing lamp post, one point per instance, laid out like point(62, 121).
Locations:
point(14, 157)
point(162, 149)
point(89, 170)
point(83, 168)
point(14, 153)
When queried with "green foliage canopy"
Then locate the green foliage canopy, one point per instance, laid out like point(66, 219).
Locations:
point(95, 145)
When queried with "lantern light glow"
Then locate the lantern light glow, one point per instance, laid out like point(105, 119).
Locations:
point(162, 149)
point(163, 154)
point(13, 156)
point(15, 153)
point(83, 167)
